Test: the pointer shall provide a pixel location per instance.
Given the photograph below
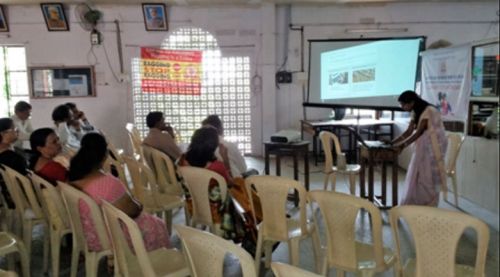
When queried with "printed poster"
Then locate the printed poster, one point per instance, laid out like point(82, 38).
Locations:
point(170, 71)
point(446, 81)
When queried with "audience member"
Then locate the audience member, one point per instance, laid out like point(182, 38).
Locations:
point(237, 162)
point(21, 118)
point(63, 119)
point(46, 146)
point(86, 174)
point(161, 136)
point(8, 135)
point(235, 226)
point(78, 115)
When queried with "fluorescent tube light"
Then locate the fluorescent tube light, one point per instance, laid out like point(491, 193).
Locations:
point(374, 30)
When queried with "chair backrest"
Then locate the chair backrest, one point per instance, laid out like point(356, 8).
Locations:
point(115, 153)
point(206, 253)
point(135, 139)
point(326, 141)
point(286, 270)
point(339, 212)
point(455, 141)
point(142, 178)
point(52, 203)
point(436, 233)
point(126, 258)
point(72, 198)
point(114, 167)
point(164, 170)
point(273, 193)
point(197, 181)
point(21, 190)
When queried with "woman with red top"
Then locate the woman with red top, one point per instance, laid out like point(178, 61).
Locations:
point(46, 146)
point(201, 153)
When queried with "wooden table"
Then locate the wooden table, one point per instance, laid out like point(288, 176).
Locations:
point(294, 149)
point(369, 157)
point(315, 127)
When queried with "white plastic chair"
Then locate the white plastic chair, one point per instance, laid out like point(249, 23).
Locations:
point(286, 270)
point(10, 243)
point(343, 252)
point(57, 217)
point(7, 273)
point(145, 189)
point(72, 197)
point(135, 140)
point(275, 226)
point(164, 169)
point(137, 261)
point(436, 233)
point(341, 167)
point(455, 142)
point(197, 181)
point(205, 253)
point(27, 208)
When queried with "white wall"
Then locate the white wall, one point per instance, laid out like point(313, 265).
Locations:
point(239, 30)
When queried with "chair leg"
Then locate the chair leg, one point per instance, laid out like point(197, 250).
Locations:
point(293, 250)
point(258, 253)
point(316, 248)
point(55, 249)
point(91, 265)
point(325, 182)
point(352, 184)
point(268, 252)
point(27, 232)
point(168, 221)
point(25, 259)
point(444, 189)
point(75, 253)
point(340, 273)
point(455, 189)
point(334, 181)
point(47, 232)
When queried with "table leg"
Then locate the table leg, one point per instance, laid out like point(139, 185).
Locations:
point(315, 150)
point(278, 164)
point(370, 178)
point(384, 183)
point(295, 167)
point(266, 158)
point(362, 191)
point(395, 181)
point(306, 169)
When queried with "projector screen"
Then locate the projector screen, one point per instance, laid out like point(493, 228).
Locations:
point(363, 72)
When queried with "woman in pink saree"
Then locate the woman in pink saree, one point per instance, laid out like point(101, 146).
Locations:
point(426, 172)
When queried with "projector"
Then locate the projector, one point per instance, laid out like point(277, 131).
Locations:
point(286, 136)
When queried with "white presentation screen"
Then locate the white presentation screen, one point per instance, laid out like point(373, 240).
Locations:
point(362, 72)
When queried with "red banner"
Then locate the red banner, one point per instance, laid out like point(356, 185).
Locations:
point(170, 71)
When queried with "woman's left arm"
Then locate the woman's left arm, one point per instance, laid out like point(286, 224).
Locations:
point(421, 127)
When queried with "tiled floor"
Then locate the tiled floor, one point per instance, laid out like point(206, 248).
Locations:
point(465, 253)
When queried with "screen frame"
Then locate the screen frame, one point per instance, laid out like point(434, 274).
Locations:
point(368, 107)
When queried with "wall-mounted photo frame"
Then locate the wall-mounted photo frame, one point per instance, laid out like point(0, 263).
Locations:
point(4, 26)
point(155, 16)
point(55, 82)
point(54, 16)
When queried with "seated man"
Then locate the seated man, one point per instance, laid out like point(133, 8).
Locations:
point(22, 121)
point(80, 116)
point(236, 159)
point(161, 135)
point(67, 129)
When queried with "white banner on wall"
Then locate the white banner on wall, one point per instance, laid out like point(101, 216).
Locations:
point(446, 81)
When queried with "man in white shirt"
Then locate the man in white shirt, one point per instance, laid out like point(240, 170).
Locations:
point(21, 118)
point(80, 116)
point(63, 119)
point(236, 159)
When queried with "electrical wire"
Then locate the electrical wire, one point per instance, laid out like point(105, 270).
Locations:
point(91, 51)
point(109, 64)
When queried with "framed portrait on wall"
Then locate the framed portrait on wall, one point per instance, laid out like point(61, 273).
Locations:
point(155, 17)
point(54, 16)
point(4, 26)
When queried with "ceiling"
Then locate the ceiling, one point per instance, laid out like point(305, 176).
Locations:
point(232, 2)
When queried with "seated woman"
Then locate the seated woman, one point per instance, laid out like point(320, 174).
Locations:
point(45, 146)
point(201, 153)
point(86, 174)
point(8, 135)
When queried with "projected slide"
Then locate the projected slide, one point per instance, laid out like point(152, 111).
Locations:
point(380, 68)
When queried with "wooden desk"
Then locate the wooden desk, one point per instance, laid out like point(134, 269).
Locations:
point(289, 149)
point(315, 127)
point(369, 157)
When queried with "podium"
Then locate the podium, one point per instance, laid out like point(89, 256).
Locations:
point(370, 156)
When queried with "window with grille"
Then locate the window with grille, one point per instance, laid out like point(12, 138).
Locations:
point(225, 91)
point(13, 78)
